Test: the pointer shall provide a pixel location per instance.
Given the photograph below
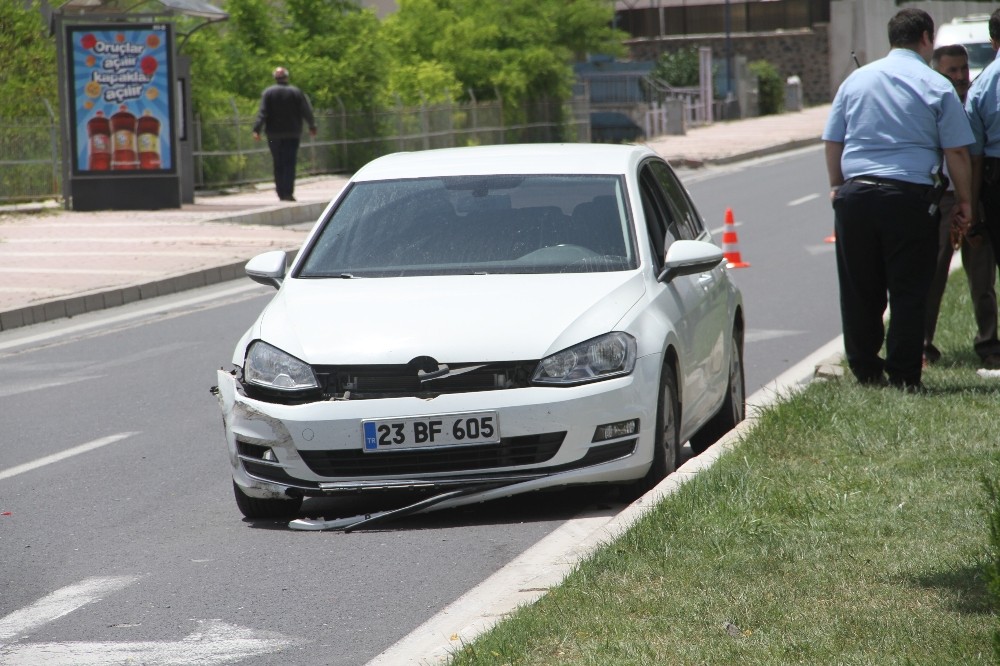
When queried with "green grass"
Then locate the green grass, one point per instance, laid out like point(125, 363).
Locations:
point(849, 527)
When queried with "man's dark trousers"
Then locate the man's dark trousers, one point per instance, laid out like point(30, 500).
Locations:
point(887, 241)
point(989, 196)
point(284, 154)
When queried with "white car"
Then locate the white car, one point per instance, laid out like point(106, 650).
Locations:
point(972, 32)
point(472, 323)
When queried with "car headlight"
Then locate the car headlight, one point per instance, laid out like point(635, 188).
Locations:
point(606, 356)
point(270, 367)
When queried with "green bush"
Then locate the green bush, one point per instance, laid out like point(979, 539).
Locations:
point(678, 68)
point(770, 87)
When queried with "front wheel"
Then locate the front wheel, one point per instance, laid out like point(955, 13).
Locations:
point(255, 507)
point(666, 449)
point(733, 409)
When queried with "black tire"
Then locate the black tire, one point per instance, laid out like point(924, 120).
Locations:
point(254, 507)
point(733, 409)
point(667, 448)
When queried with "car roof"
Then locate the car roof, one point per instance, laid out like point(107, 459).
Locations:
point(535, 158)
point(964, 30)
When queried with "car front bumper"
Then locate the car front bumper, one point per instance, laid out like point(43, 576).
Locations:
point(316, 449)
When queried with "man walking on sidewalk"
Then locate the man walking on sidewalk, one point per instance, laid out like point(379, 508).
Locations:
point(283, 107)
point(888, 125)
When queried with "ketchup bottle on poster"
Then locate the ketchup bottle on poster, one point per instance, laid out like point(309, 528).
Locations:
point(149, 141)
point(99, 132)
point(123, 130)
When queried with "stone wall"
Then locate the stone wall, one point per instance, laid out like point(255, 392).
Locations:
point(803, 53)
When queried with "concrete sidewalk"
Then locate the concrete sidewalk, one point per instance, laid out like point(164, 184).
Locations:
point(56, 263)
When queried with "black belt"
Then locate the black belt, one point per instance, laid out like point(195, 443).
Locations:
point(900, 185)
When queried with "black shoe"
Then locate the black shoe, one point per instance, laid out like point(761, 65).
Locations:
point(877, 381)
point(991, 361)
point(908, 386)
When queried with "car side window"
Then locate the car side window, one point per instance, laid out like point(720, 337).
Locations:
point(689, 222)
point(659, 219)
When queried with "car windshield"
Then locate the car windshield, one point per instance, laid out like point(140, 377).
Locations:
point(980, 55)
point(476, 224)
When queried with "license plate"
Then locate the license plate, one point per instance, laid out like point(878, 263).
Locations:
point(427, 431)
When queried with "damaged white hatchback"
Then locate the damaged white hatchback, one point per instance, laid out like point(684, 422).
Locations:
point(471, 323)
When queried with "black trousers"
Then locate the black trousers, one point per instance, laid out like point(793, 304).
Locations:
point(887, 243)
point(284, 155)
point(980, 269)
point(990, 198)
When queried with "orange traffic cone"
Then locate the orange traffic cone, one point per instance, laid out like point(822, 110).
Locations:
point(729, 243)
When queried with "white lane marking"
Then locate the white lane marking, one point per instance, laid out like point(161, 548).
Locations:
point(215, 642)
point(27, 387)
point(62, 455)
point(718, 232)
point(826, 248)
point(802, 200)
point(59, 603)
point(759, 335)
point(545, 564)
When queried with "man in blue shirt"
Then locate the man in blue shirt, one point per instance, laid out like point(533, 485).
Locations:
point(983, 107)
point(977, 256)
point(888, 126)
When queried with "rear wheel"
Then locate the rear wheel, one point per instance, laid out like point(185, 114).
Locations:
point(666, 450)
point(255, 507)
point(733, 409)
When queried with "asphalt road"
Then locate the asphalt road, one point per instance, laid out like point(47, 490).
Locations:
point(120, 537)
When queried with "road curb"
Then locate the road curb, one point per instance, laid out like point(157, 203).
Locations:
point(280, 216)
point(104, 299)
point(740, 157)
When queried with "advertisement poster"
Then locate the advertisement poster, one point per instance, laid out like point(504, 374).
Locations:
point(120, 98)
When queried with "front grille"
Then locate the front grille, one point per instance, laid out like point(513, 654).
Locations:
point(390, 381)
point(510, 452)
point(595, 455)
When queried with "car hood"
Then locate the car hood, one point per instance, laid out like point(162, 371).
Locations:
point(468, 318)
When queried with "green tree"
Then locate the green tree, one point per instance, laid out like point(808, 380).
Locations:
point(517, 49)
point(333, 49)
point(680, 69)
point(28, 74)
point(411, 36)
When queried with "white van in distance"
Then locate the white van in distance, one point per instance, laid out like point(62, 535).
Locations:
point(973, 32)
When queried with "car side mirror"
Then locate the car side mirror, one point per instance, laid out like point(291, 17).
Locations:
point(686, 257)
point(267, 268)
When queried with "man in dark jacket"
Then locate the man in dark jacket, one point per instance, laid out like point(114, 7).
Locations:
point(283, 107)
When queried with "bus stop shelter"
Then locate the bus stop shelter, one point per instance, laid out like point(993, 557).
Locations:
point(124, 98)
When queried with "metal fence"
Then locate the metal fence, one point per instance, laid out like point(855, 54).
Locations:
point(225, 154)
point(29, 158)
